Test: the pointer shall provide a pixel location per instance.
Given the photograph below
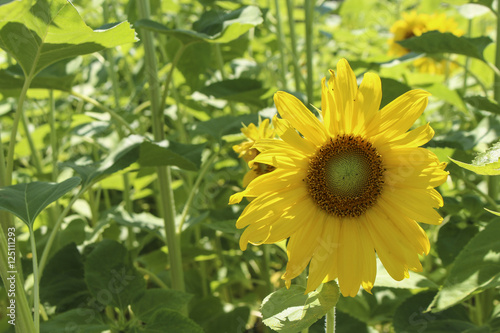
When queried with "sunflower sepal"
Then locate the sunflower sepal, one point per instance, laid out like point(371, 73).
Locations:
point(292, 310)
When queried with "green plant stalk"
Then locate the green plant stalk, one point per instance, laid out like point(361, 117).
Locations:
point(204, 169)
point(309, 4)
point(153, 277)
point(168, 80)
point(104, 108)
point(164, 175)
point(467, 59)
point(13, 133)
point(3, 174)
point(265, 269)
point(330, 321)
point(296, 68)
point(34, 153)
point(55, 149)
point(24, 319)
point(220, 63)
point(36, 292)
point(281, 44)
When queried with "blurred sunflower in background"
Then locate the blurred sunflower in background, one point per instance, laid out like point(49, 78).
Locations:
point(414, 24)
point(347, 186)
point(247, 152)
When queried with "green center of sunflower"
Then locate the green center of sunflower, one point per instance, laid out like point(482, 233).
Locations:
point(345, 176)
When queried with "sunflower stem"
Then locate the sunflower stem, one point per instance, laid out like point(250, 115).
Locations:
point(493, 181)
point(330, 321)
point(309, 4)
point(164, 174)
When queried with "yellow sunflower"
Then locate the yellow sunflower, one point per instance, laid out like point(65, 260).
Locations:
point(414, 24)
point(248, 152)
point(346, 187)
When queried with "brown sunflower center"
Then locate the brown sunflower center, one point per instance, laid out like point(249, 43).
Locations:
point(345, 176)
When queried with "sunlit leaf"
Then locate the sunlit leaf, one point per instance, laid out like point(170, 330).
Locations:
point(290, 310)
point(51, 31)
point(490, 169)
point(13, 9)
point(212, 27)
point(434, 42)
point(26, 201)
point(476, 268)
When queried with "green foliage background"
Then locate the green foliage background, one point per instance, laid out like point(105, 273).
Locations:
point(117, 123)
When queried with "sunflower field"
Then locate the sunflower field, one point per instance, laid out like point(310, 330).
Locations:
point(231, 166)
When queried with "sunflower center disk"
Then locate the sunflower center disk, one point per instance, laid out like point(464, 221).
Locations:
point(345, 176)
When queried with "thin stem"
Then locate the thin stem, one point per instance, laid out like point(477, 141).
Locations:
point(281, 44)
point(330, 321)
point(13, 133)
point(166, 86)
point(36, 293)
point(153, 277)
point(164, 175)
point(104, 108)
point(291, 23)
point(482, 194)
point(206, 166)
point(467, 59)
point(34, 153)
point(309, 4)
point(55, 230)
point(3, 174)
point(493, 186)
point(53, 136)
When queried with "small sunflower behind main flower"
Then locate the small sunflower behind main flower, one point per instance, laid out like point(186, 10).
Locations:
point(247, 152)
point(414, 24)
point(346, 187)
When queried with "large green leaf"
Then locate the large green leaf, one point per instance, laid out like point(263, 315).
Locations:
point(26, 201)
point(81, 320)
point(124, 154)
point(13, 9)
point(434, 42)
point(155, 299)
point(476, 268)
point(486, 163)
point(53, 30)
point(166, 320)
point(290, 310)
point(111, 277)
point(187, 157)
point(411, 317)
point(56, 77)
point(63, 284)
point(213, 27)
point(243, 90)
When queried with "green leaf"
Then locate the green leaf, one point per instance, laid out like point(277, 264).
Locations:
point(58, 76)
point(26, 201)
point(490, 169)
point(111, 277)
point(391, 89)
point(411, 317)
point(232, 321)
point(213, 27)
point(51, 31)
point(289, 310)
point(483, 103)
point(13, 9)
point(452, 239)
point(166, 320)
point(476, 268)
point(154, 299)
point(444, 93)
point(81, 320)
point(124, 154)
point(187, 157)
point(435, 42)
point(242, 90)
point(415, 281)
point(62, 284)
